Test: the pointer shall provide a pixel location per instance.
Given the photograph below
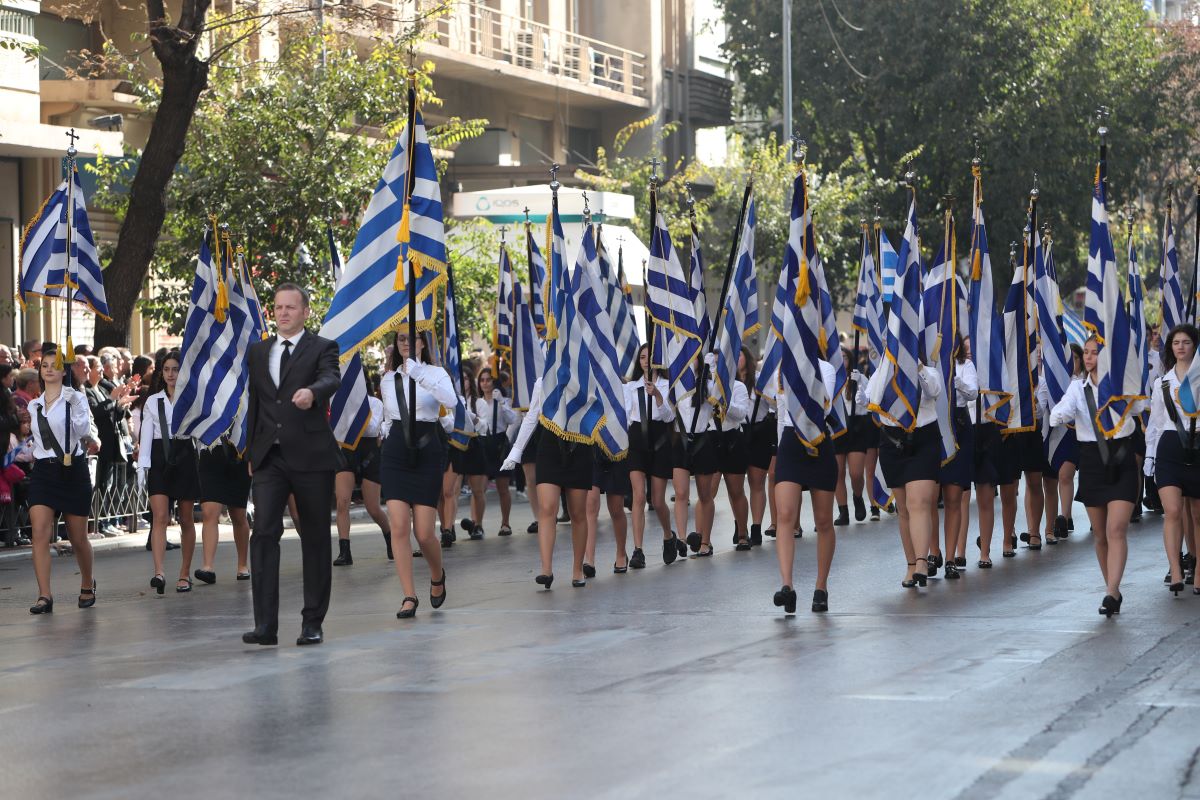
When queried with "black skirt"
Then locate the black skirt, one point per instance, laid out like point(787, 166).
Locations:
point(1023, 452)
point(794, 464)
point(611, 477)
point(988, 455)
point(733, 450)
point(650, 453)
point(473, 461)
point(763, 442)
point(363, 460)
point(1172, 468)
point(413, 477)
point(179, 479)
point(529, 454)
point(960, 470)
point(696, 454)
point(567, 465)
point(66, 490)
point(495, 447)
point(906, 457)
point(1098, 484)
point(224, 478)
point(1068, 450)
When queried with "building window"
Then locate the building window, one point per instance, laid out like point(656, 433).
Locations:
point(16, 22)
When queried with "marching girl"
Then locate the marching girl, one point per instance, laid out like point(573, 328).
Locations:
point(734, 448)
point(452, 477)
point(1058, 485)
point(412, 462)
point(610, 479)
point(1023, 455)
point(796, 469)
point(956, 476)
point(224, 483)
point(911, 463)
point(493, 415)
point(1172, 446)
point(650, 460)
point(1108, 481)
point(360, 467)
point(986, 474)
point(167, 468)
point(841, 449)
point(55, 487)
point(471, 464)
point(761, 438)
point(857, 451)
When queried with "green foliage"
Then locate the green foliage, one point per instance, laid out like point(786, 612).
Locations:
point(278, 150)
point(30, 50)
point(879, 79)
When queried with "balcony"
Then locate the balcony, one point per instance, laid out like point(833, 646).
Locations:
point(479, 45)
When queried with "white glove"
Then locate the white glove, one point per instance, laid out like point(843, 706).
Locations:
point(509, 465)
point(495, 394)
point(1148, 466)
point(141, 477)
point(710, 360)
point(411, 367)
point(857, 377)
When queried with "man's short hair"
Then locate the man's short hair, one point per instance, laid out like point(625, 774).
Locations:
point(26, 378)
point(292, 287)
point(31, 346)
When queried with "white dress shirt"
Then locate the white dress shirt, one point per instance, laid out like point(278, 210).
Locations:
point(660, 410)
point(685, 410)
point(929, 380)
point(1160, 419)
point(505, 416)
point(966, 384)
point(56, 415)
point(151, 432)
point(1074, 408)
point(434, 390)
point(276, 354)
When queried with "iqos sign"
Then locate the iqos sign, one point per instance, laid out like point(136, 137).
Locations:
point(483, 204)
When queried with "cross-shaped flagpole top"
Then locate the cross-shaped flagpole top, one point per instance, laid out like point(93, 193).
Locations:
point(554, 184)
point(691, 200)
point(799, 148)
point(1033, 193)
point(72, 135)
point(1012, 253)
point(526, 215)
point(503, 230)
point(587, 210)
point(654, 162)
point(878, 218)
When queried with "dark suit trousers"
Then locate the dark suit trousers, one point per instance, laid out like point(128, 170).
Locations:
point(273, 482)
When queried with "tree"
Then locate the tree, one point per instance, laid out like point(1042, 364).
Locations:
point(174, 90)
point(875, 79)
point(320, 138)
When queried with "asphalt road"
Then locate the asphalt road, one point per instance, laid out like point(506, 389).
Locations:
point(675, 681)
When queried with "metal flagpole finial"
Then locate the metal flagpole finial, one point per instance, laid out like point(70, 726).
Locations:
point(799, 148)
point(878, 217)
point(526, 209)
point(1102, 113)
point(977, 161)
point(554, 184)
point(910, 177)
point(654, 162)
point(72, 135)
point(1130, 213)
point(1034, 192)
point(690, 201)
point(1012, 253)
point(587, 210)
point(503, 230)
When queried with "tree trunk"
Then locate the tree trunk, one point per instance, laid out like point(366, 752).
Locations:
point(184, 78)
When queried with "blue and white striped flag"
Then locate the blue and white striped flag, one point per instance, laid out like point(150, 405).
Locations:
point(216, 336)
point(1073, 327)
point(463, 428)
point(739, 316)
point(943, 311)
point(373, 297)
point(616, 303)
point(829, 344)
point(335, 256)
point(696, 287)
point(1172, 286)
point(867, 320)
point(801, 337)
point(246, 286)
point(1057, 362)
point(985, 329)
point(528, 358)
point(1137, 314)
point(45, 266)
point(889, 262)
point(673, 308)
point(1189, 390)
point(900, 396)
point(596, 331)
point(537, 280)
point(502, 334)
point(1102, 257)
point(349, 411)
point(1020, 339)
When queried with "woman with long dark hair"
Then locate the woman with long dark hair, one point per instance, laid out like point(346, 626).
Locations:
point(649, 458)
point(957, 475)
point(61, 425)
point(167, 468)
point(413, 461)
point(734, 448)
point(1108, 484)
point(493, 415)
point(456, 464)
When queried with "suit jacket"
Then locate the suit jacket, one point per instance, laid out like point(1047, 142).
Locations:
point(104, 415)
point(306, 441)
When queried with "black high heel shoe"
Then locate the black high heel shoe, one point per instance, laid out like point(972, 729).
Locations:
point(669, 553)
point(544, 580)
point(408, 613)
point(786, 598)
point(578, 584)
point(1109, 606)
point(693, 541)
point(820, 600)
point(1175, 588)
point(89, 602)
point(159, 583)
point(40, 607)
point(934, 561)
point(588, 570)
point(909, 583)
point(436, 601)
point(920, 577)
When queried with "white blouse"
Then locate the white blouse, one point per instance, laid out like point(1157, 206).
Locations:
point(1073, 408)
point(151, 431)
point(1160, 419)
point(376, 421)
point(434, 390)
point(505, 416)
point(929, 380)
point(660, 410)
point(56, 415)
point(685, 410)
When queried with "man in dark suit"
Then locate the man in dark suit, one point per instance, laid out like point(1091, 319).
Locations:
point(292, 452)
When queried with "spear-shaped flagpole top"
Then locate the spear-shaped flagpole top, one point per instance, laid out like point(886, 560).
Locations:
point(799, 149)
point(690, 200)
point(554, 184)
point(1102, 113)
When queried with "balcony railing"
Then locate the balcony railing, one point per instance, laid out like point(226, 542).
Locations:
point(525, 44)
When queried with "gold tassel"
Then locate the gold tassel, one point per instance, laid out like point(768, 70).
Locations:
point(58, 356)
point(221, 307)
point(547, 300)
point(403, 236)
point(977, 266)
point(823, 342)
point(802, 289)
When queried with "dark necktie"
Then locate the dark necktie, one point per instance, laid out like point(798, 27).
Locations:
point(283, 359)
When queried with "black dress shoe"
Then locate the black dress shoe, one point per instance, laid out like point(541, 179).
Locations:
point(669, 552)
point(205, 576)
point(172, 546)
point(532, 527)
point(638, 559)
point(447, 537)
point(589, 571)
point(310, 634)
point(544, 580)
point(860, 508)
point(693, 541)
point(756, 535)
point(843, 517)
point(436, 601)
point(257, 636)
point(820, 600)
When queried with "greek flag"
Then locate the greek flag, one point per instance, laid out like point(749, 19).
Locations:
point(463, 429)
point(696, 287)
point(616, 303)
point(1189, 390)
point(596, 331)
point(829, 345)
point(537, 279)
point(943, 311)
point(1172, 286)
point(1020, 338)
point(1073, 327)
point(1137, 316)
point(801, 338)
point(1056, 356)
point(739, 316)
point(502, 335)
point(901, 394)
point(984, 327)
point(247, 289)
point(672, 306)
point(1102, 258)
point(889, 261)
point(867, 320)
point(372, 297)
point(46, 267)
point(881, 496)
point(216, 335)
point(528, 361)
point(349, 411)
point(335, 257)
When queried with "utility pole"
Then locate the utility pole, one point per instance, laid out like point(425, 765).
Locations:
point(787, 69)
